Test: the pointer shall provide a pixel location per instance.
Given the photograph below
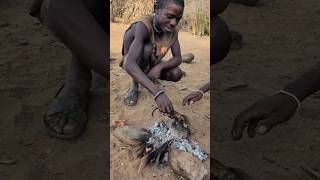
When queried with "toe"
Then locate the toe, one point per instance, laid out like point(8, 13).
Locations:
point(130, 101)
point(53, 124)
point(71, 128)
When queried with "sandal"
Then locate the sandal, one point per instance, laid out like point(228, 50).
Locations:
point(67, 117)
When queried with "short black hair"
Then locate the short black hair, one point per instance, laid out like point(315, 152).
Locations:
point(160, 4)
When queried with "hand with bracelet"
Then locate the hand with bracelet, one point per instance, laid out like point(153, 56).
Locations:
point(265, 114)
point(196, 95)
point(163, 102)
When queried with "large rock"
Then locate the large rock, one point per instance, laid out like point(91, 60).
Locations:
point(187, 165)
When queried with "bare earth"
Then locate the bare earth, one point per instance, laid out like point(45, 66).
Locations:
point(32, 66)
point(281, 42)
point(124, 166)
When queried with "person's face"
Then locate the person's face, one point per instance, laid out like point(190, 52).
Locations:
point(169, 17)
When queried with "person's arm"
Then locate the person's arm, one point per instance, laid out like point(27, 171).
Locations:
point(306, 85)
point(205, 88)
point(263, 115)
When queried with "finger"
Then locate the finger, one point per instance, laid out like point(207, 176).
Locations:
point(194, 99)
point(161, 108)
point(252, 128)
point(167, 109)
point(264, 126)
point(242, 119)
point(185, 100)
point(172, 109)
point(237, 128)
point(188, 98)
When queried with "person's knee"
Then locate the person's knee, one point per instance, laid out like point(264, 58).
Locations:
point(126, 66)
point(175, 75)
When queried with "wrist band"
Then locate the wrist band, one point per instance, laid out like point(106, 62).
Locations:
point(198, 90)
point(158, 94)
point(293, 96)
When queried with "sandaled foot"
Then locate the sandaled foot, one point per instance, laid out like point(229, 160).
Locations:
point(67, 116)
point(131, 98)
point(187, 58)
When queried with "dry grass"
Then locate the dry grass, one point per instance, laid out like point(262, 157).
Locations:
point(196, 18)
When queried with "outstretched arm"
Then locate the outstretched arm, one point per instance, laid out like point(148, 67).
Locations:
point(263, 115)
point(196, 95)
point(306, 85)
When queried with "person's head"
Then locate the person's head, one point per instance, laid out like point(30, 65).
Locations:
point(168, 14)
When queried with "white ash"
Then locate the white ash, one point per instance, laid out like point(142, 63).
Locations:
point(161, 133)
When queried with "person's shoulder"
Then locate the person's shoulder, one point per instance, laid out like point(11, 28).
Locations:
point(141, 29)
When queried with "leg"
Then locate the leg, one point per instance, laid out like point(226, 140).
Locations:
point(174, 74)
point(67, 116)
point(76, 27)
point(82, 32)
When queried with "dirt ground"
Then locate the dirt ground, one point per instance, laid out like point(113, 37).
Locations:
point(32, 66)
point(281, 42)
point(124, 166)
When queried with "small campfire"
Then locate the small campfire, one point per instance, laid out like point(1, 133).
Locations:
point(166, 142)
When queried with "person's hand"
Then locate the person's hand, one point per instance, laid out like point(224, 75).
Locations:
point(164, 104)
point(263, 115)
point(155, 72)
point(192, 98)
